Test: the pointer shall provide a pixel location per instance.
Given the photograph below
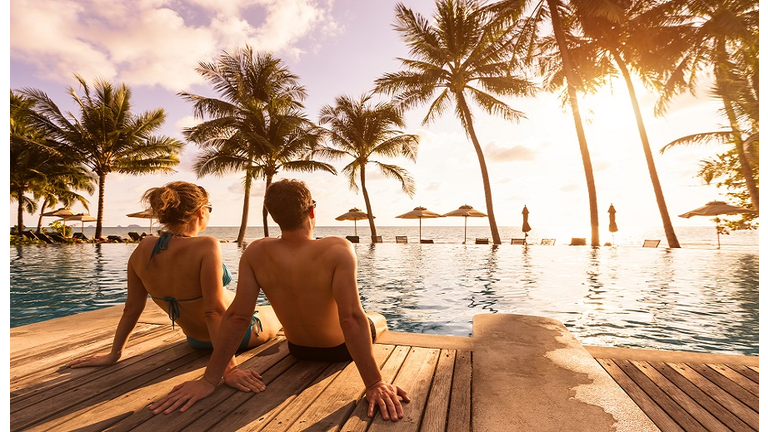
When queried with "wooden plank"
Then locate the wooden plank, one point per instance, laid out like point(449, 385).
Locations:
point(416, 378)
point(730, 403)
point(755, 368)
point(703, 399)
point(60, 379)
point(662, 420)
point(733, 375)
point(255, 412)
point(652, 355)
point(338, 400)
point(681, 416)
point(436, 412)
point(750, 372)
point(710, 422)
point(460, 409)
point(262, 357)
point(359, 421)
point(735, 390)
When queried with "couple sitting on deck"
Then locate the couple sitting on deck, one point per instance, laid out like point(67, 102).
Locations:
point(310, 284)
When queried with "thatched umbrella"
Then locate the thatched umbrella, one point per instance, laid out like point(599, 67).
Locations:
point(612, 227)
point(145, 214)
point(82, 217)
point(526, 228)
point(419, 213)
point(716, 208)
point(466, 211)
point(354, 214)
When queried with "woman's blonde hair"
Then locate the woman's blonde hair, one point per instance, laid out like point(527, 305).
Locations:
point(176, 203)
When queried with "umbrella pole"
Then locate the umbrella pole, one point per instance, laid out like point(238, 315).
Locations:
point(355, 227)
point(465, 230)
point(419, 230)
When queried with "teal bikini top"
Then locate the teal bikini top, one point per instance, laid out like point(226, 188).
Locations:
point(173, 304)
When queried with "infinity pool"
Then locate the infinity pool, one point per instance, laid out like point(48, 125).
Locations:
point(685, 299)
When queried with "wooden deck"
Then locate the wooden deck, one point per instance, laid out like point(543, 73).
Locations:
point(446, 377)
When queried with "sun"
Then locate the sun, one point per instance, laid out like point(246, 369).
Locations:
point(610, 109)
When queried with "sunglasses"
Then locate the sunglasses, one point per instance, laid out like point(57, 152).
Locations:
point(210, 207)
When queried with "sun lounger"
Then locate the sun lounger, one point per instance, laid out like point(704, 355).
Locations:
point(547, 242)
point(427, 241)
point(651, 243)
point(30, 235)
point(134, 236)
point(578, 241)
point(378, 239)
point(401, 239)
point(44, 238)
point(80, 236)
point(57, 238)
point(482, 240)
point(353, 239)
point(518, 241)
point(115, 238)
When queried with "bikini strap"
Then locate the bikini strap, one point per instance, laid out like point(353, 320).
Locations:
point(160, 245)
point(173, 307)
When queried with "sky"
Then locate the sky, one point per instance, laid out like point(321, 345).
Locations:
point(340, 47)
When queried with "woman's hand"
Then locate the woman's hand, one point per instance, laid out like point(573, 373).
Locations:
point(94, 360)
point(183, 396)
point(244, 380)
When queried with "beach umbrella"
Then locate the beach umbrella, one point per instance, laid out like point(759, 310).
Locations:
point(82, 217)
point(62, 213)
point(419, 213)
point(145, 214)
point(354, 214)
point(612, 227)
point(526, 227)
point(467, 212)
point(716, 208)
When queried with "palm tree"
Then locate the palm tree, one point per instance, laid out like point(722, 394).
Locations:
point(717, 35)
point(568, 69)
point(607, 27)
point(461, 57)
point(38, 167)
point(361, 131)
point(107, 137)
point(258, 125)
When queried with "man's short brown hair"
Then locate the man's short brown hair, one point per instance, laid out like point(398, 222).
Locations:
point(288, 201)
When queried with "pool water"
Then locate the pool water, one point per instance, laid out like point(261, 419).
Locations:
point(703, 300)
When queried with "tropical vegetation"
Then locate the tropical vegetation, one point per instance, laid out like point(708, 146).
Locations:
point(257, 126)
point(362, 131)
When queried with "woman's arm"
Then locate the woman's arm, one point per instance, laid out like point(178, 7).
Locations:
point(134, 306)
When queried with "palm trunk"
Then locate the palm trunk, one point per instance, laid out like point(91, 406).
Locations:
point(246, 205)
point(367, 203)
point(746, 168)
point(100, 213)
point(264, 211)
point(20, 211)
point(464, 108)
point(665, 219)
point(572, 78)
point(40, 218)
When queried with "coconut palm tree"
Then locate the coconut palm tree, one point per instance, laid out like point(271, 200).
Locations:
point(719, 36)
point(107, 137)
point(362, 131)
point(607, 27)
point(258, 126)
point(38, 167)
point(457, 58)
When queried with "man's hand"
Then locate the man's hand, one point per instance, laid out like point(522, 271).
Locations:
point(94, 360)
point(385, 396)
point(184, 396)
point(244, 380)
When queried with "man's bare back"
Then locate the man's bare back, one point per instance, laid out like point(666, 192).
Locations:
point(296, 275)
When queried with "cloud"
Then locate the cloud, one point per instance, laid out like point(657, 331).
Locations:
point(496, 153)
point(155, 42)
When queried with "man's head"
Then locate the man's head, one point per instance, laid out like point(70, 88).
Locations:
point(289, 202)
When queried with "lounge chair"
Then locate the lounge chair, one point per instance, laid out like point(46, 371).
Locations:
point(547, 242)
point(483, 240)
point(30, 235)
point(401, 239)
point(519, 241)
point(44, 238)
point(578, 241)
point(378, 239)
point(651, 243)
point(80, 236)
point(115, 238)
point(353, 239)
point(57, 238)
point(134, 236)
point(427, 241)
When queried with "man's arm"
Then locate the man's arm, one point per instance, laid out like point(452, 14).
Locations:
point(357, 336)
point(233, 325)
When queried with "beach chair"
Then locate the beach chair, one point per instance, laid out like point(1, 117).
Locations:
point(115, 238)
point(578, 241)
point(483, 240)
point(427, 241)
point(378, 239)
point(44, 238)
point(518, 241)
point(651, 243)
point(80, 236)
point(134, 236)
point(30, 235)
point(353, 239)
point(401, 239)
point(57, 238)
point(547, 242)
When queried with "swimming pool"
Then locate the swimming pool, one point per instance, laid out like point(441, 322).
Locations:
point(701, 300)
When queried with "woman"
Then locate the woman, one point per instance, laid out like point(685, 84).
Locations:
point(184, 275)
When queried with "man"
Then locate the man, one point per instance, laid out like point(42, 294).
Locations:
point(312, 287)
